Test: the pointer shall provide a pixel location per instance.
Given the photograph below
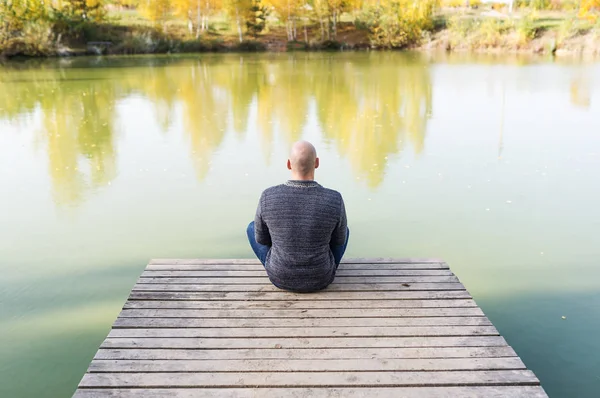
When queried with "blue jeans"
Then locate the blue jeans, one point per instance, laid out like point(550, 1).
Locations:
point(261, 251)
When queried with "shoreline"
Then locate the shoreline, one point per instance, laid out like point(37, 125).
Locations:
point(543, 47)
point(477, 36)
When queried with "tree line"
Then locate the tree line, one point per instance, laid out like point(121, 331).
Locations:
point(403, 19)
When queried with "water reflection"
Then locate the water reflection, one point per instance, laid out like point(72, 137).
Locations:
point(368, 116)
point(77, 126)
point(580, 92)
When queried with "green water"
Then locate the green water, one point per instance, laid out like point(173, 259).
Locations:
point(490, 163)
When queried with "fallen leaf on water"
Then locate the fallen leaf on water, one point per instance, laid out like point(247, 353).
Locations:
point(563, 317)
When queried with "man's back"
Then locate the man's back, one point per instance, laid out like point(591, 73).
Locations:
point(300, 220)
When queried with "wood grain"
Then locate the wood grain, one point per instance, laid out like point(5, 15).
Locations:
point(362, 392)
point(305, 365)
point(306, 353)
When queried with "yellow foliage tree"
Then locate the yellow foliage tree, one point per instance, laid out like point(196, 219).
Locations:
point(589, 10)
point(155, 10)
point(237, 10)
point(191, 11)
point(288, 12)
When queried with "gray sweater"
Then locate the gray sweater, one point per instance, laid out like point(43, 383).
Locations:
point(299, 220)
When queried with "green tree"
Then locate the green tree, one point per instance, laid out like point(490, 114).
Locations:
point(84, 10)
point(257, 17)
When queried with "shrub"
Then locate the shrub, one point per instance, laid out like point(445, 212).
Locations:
point(490, 30)
point(35, 39)
point(539, 4)
point(330, 45)
point(193, 46)
point(526, 28)
point(461, 3)
point(137, 43)
point(296, 46)
point(251, 46)
point(459, 26)
point(398, 23)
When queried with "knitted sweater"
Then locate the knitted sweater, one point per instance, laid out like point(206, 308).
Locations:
point(300, 220)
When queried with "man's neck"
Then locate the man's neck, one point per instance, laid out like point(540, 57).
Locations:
point(308, 177)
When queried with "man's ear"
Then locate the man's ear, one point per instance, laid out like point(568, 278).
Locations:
point(289, 165)
point(316, 163)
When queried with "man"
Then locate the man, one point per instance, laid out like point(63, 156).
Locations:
point(299, 232)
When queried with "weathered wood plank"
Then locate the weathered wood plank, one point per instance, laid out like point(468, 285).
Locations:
point(307, 353)
point(149, 273)
point(346, 287)
point(305, 365)
point(312, 342)
point(265, 281)
point(296, 322)
point(308, 313)
point(309, 379)
point(362, 392)
point(322, 295)
point(371, 260)
point(354, 331)
point(232, 305)
point(224, 266)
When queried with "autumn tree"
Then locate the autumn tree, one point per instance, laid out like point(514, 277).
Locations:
point(589, 10)
point(237, 10)
point(191, 11)
point(156, 10)
point(288, 12)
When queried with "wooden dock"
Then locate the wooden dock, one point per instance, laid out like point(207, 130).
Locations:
point(384, 328)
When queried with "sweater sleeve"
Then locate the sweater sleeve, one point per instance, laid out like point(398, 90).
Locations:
point(261, 231)
point(338, 237)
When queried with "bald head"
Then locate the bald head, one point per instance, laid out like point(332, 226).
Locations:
point(303, 160)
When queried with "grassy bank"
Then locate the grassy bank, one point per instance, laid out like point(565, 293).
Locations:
point(452, 28)
point(525, 31)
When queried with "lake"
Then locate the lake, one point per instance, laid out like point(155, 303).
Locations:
point(492, 163)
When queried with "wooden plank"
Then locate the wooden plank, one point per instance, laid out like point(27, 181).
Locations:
point(232, 305)
point(371, 260)
point(224, 266)
point(296, 322)
point(266, 281)
point(318, 296)
point(361, 392)
point(312, 342)
point(346, 287)
point(305, 365)
point(309, 379)
point(308, 313)
point(355, 331)
point(307, 353)
point(149, 273)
